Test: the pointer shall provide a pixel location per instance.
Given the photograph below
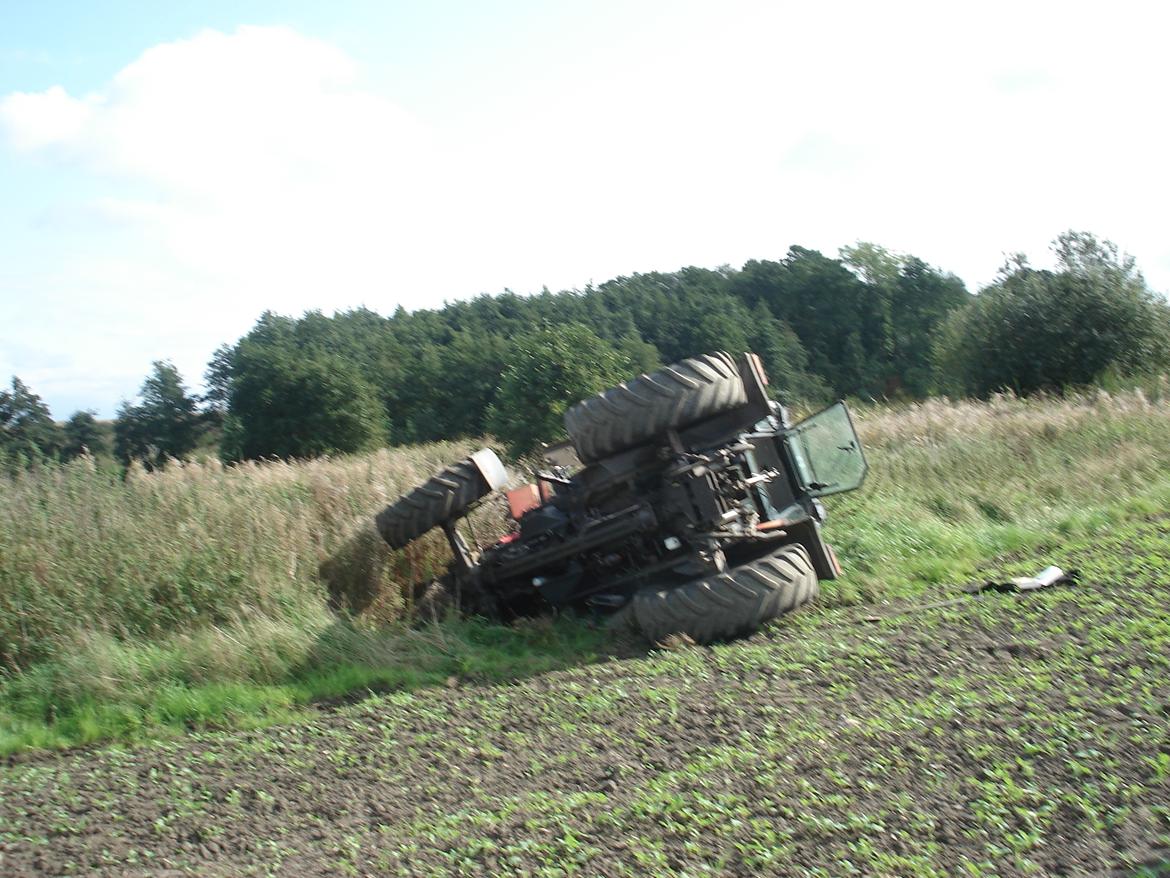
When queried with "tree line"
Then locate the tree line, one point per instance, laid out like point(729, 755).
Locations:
point(868, 323)
point(166, 423)
point(509, 364)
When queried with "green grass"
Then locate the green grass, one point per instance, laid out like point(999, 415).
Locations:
point(1017, 745)
point(1004, 735)
point(150, 692)
point(955, 484)
point(200, 596)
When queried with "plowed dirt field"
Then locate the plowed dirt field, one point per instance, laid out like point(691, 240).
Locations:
point(1000, 735)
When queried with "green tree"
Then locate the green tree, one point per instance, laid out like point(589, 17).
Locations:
point(27, 429)
point(922, 298)
point(785, 360)
point(909, 299)
point(819, 323)
point(163, 425)
point(218, 377)
point(840, 320)
point(1046, 330)
point(548, 371)
point(285, 402)
point(83, 435)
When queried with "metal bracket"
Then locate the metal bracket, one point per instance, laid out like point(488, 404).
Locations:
point(465, 558)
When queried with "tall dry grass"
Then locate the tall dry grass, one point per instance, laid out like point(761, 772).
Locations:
point(204, 591)
point(1004, 415)
point(86, 553)
point(955, 483)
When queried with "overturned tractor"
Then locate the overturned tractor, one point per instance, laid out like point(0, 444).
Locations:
point(684, 495)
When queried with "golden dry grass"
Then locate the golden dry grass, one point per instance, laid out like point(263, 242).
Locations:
point(85, 552)
point(126, 591)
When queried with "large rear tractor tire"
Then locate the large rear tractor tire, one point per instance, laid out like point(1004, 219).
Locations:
point(649, 405)
point(727, 604)
point(441, 498)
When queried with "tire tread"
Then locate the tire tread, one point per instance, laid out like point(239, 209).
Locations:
point(441, 497)
point(730, 603)
point(649, 405)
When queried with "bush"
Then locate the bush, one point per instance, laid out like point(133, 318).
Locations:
point(1035, 330)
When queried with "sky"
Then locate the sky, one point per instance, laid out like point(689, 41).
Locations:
point(170, 171)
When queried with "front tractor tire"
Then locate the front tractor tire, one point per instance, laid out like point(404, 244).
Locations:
point(445, 496)
point(642, 408)
point(727, 604)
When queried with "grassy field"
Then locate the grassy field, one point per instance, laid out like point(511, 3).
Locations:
point(1000, 735)
point(211, 597)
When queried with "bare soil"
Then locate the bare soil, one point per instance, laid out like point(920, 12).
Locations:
point(1005, 735)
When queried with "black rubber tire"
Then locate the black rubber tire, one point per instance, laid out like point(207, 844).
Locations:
point(443, 496)
point(649, 405)
point(727, 604)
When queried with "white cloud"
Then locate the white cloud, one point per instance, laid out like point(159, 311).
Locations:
point(245, 171)
point(44, 119)
point(215, 112)
point(263, 168)
point(254, 145)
